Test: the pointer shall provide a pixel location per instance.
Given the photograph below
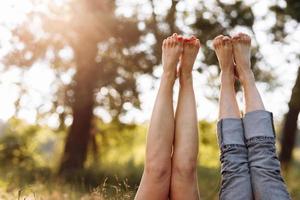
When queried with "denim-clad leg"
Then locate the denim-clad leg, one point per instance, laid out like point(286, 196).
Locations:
point(267, 183)
point(236, 183)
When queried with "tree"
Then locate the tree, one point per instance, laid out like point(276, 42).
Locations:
point(290, 124)
point(283, 15)
point(103, 57)
point(107, 55)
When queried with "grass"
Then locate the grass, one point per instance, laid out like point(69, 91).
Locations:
point(114, 188)
point(27, 174)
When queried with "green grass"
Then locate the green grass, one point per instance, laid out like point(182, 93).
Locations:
point(114, 188)
point(28, 173)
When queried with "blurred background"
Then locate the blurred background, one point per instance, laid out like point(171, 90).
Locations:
point(78, 80)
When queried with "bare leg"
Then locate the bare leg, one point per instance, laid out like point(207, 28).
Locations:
point(155, 183)
point(252, 98)
point(228, 107)
point(266, 179)
point(184, 184)
point(236, 182)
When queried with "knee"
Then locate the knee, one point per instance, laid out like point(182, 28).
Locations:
point(185, 169)
point(158, 170)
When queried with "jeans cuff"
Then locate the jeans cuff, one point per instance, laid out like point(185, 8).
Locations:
point(258, 124)
point(230, 131)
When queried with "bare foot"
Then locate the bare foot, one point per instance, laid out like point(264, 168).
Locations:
point(223, 48)
point(171, 51)
point(241, 50)
point(190, 50)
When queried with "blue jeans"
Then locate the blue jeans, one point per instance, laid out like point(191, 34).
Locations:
point(249, 166)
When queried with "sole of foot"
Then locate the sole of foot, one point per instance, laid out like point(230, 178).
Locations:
point(172, 48)
point(242, 53)
point(224, 51)
point(191, 48)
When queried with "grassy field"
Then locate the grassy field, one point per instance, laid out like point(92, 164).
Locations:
point(113, 188)
point(28, 172)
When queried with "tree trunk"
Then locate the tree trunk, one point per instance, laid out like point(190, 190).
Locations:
point(77, 141)
point(290, 125)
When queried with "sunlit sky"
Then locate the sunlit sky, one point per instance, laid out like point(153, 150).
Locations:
point(40, 78)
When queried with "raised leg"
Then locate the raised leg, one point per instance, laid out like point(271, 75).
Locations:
point(266, 179)
point(241, 51)
point(155, 183)
point(184, 184)
point(236, 183)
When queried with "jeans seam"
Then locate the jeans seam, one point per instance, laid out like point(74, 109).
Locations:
point(260, 140)
point(233, 145)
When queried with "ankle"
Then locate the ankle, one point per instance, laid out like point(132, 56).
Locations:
point(247, 79)
point(185, 77)
point(227, 77)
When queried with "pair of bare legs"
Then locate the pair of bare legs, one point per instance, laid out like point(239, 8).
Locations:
point(234, 54)
point(250, 168)
point(172, 140)
point(170, 166)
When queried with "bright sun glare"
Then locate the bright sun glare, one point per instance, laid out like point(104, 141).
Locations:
point(12, 12)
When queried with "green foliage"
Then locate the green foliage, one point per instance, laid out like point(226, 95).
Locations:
point(209, 150)
point(115, 137)
point(16, 148)
point(25, 152)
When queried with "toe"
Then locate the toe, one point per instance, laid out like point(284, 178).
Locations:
point(194, 41)
point(197, 43)
point(235, 38)
point(180, 38)
point(226, 41)
point(193, 37)
point(244, 35)
point(186, 39)
point(169, 41)
point(246, 38)
point(174, 41)
point(241, 37)
point(226, 38)
point(179, 41)
point(218, 37)
point(164, 43)
point(240, 34)
point(217, 41)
